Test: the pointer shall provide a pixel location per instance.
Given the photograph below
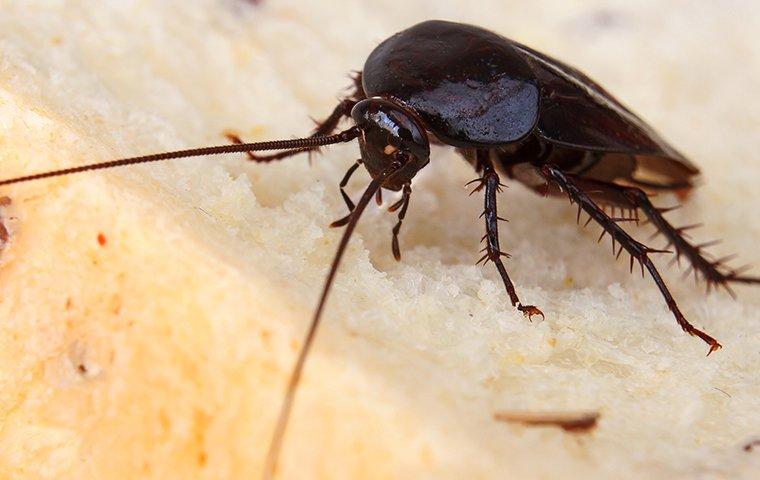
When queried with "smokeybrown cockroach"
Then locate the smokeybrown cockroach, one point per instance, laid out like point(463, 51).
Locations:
point(509, 111)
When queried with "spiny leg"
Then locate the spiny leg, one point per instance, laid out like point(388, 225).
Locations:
point(490, 181)
point(714, 271)
point(326, 127)
point(710, 269)
point(637, 250)
point(403, 204)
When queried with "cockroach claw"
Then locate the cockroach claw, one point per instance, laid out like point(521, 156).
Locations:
point(531, 310)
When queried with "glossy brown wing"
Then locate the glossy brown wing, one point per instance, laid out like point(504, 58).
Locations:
point(577, 113)
point(470, 86)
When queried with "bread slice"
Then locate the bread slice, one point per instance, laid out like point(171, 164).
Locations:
point(149, 316)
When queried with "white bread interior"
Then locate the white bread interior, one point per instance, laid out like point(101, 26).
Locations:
point(149, 316)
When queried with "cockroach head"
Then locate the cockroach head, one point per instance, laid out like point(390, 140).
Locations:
point(391, 132)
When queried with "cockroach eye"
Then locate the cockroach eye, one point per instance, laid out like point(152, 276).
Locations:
point(389, 128)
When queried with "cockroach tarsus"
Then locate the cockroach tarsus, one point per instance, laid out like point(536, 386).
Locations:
point(510, 112)
point(574, 422)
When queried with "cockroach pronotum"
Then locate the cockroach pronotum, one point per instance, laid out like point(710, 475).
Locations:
point(510, 111)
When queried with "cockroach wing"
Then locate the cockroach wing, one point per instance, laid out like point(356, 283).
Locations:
point(469, 85)
point(577, 113)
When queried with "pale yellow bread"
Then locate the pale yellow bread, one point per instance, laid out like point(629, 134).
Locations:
point(149, 316)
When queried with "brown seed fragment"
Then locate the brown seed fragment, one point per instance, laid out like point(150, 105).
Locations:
point(749, 446)
point(4, 234)
point(576, 422)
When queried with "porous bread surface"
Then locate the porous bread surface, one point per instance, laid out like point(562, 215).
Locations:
point(149, 316)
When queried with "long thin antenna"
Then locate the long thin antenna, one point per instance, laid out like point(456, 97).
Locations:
point(297, 143)
point(270, 465)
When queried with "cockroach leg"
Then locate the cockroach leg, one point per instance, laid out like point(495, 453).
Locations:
point(342, 110)
point(710, 269)
point(490, 181)
point(404, 205)
point(714, 272)
point(326, 127)
point(344, 182)
point(635, 249)
point(349, 203)
point(234, 138)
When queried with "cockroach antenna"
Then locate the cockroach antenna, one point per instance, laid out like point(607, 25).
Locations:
point(273, 454)
point(298, 144)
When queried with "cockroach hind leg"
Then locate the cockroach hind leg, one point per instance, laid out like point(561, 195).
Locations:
point(714, 272)
point(637, 250)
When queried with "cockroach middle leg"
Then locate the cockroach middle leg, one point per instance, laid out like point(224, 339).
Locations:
point(635, 249)
point(403, 204)
point(490, 181)
point(325, 127)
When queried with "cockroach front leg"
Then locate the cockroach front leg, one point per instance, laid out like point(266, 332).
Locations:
point(490, 182)
point(349, 203)
point(326, 127)
point(403, 204)
point(344, 182)
point(635, 249)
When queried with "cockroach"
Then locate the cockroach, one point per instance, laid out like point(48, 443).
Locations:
point(509, 111)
